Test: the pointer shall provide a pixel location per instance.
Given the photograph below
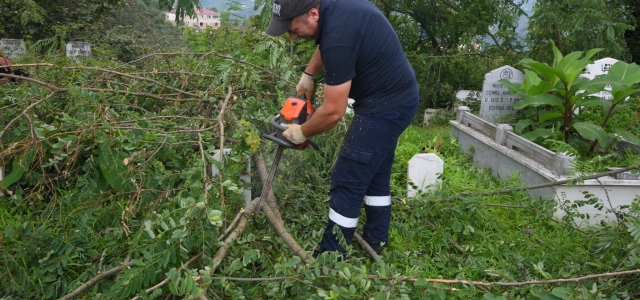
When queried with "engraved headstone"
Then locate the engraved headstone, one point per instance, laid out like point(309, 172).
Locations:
point(466, 96)
point(75, 49)
point(497, 102)
point(599, 67)
point(12, 47)
point(428, 113)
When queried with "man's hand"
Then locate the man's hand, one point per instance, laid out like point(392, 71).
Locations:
point(305, 85)
point(294, 134)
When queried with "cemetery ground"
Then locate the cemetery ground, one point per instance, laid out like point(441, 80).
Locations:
point(107, 195)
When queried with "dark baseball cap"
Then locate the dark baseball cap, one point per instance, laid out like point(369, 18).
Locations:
point(284, 11)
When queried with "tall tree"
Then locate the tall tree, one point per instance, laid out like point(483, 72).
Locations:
point(579, 25)
point(446, 24)
point(632, 37)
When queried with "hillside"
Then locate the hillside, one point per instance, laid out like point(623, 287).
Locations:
point(222, 5)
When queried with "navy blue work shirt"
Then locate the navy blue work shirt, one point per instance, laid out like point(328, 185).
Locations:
point(358, 43)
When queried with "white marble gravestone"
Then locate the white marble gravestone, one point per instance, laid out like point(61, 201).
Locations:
point(75, 49)
point(13, 48)
point(423, 172)
point(497, 102)
point(599, 67)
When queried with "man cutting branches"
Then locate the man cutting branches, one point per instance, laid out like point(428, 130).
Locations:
point(363, 59)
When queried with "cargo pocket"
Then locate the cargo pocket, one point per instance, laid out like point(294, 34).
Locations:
point(357, 154)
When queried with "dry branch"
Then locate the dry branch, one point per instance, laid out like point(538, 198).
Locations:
point(94, 280)
point(455, 281)
point(220, 120)
point(522, 283)
point(232, 225)
point(112, 91)
point(262, 170)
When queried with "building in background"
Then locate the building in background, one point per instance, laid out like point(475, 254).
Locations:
point(204, 18)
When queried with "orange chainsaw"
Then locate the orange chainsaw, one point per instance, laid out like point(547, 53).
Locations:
point(296, 110)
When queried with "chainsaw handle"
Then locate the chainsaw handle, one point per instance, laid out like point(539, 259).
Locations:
point(276, 125)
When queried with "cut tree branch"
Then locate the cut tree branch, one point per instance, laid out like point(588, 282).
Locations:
point(95, 280)
point(522, 283)
point(366, 247)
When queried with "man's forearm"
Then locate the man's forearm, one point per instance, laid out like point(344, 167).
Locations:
point(321, 121)
point(315, 64)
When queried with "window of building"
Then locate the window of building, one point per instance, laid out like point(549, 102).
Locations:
point(201, 24)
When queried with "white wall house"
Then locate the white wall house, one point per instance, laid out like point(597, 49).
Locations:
point(204, 18)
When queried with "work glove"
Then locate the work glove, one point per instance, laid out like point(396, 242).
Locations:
point(294, 134)
point(305, 85)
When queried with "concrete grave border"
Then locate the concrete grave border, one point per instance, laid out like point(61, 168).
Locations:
point(498, 148)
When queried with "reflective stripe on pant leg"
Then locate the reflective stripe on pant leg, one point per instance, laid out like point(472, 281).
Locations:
point(342, 220)
point(376, 229)
point(346, 225)
point(377, 200)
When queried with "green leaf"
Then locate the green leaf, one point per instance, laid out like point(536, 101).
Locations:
point(551, 74)
point(598, 84)
point(567, 64)
point(513, 87)
point(538, 100)
point(9, 232)
point(588, 101)
point(19, 166)
point(621, 94)
point(631, 138)
point(112, 165)
point(557, 55)
point(629, 73)
point(549, 116)
point(544, 295)
point(523, 124)
point(420, 282)
point(292, 262)
point(561, 293)
point(531, 78)
point(536, 134)
point(591, 131)
point(582, 63)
